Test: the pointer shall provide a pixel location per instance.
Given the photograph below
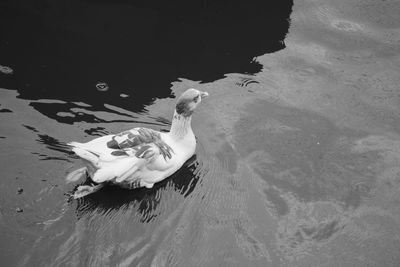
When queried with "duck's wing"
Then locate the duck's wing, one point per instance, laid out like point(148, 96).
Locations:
point(114, 156)
point(126, 163)
point(137, 138)
point(110, 146)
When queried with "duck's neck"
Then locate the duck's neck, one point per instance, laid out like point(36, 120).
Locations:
point(180, 127)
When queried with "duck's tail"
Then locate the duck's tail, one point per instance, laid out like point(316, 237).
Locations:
point(84, 190)
point(101, 171)
point(76, 175)
point(89, 156)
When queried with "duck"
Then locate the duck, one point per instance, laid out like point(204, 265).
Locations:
point(139, 157)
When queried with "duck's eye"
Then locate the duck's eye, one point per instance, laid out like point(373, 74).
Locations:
point(196, 98)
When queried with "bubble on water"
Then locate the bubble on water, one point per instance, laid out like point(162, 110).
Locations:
point(101, 86)
point(6, 70)
point(124, 95)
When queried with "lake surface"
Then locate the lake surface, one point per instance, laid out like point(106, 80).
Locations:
point(297, 162)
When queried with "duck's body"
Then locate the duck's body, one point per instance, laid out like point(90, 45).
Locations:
point(140, 157)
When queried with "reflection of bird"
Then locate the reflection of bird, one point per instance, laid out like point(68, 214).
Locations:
point(139, 157)
point(143, 203)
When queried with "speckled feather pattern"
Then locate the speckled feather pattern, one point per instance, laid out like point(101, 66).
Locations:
point(139, 142)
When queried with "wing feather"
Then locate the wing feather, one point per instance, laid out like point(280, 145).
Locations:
point(140, 142)
point(119, 156)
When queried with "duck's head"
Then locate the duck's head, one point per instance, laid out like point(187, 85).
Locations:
point(188, 101)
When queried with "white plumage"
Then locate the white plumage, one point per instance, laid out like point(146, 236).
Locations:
point(139, 157)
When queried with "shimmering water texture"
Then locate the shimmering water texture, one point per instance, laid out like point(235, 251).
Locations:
point(298, 165)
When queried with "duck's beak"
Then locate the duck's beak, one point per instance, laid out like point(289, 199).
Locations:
point(204, 95)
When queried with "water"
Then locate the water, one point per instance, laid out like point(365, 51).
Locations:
point(296, 164)
point(62, 50)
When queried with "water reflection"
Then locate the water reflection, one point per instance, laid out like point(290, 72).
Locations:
point(115, 225)
point(144, 201)
point(70, 113)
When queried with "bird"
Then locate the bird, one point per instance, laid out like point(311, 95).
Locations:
point(139, 157)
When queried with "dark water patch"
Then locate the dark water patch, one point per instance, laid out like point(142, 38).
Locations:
point(72, 112)
point(58, 111)
point(304, 153)
point(96, 131)
point(137, 48)
point(31, 128)
point(47, 157)
point(5, 110)
point(119, 111)
point(50, 143)
point(54, 144)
